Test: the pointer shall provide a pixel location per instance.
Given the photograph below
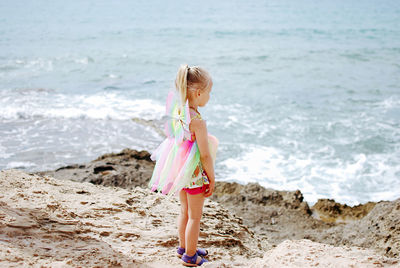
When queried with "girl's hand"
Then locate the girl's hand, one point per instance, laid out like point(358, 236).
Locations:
point(210, 189)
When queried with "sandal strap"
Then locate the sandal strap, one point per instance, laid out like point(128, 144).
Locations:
point(202, 261)
point(190, 259)
point(200, 251)
point(193, 260)
point(180, 251)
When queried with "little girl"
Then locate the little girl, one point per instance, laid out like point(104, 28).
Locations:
point(185, 159)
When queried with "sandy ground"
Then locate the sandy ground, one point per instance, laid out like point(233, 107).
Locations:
point(61, 223)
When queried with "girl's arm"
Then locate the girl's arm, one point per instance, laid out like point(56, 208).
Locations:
point(199, 128)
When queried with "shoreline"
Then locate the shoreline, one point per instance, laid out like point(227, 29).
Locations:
point(145, 155)
point(273, 215)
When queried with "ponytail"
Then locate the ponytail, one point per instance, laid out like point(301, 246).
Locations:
point(181, 83)
point(189, 77)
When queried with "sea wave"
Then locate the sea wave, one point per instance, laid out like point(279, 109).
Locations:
point(40, 103)
point(360, 178)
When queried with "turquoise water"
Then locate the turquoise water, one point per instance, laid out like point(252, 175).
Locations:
point(306, 93)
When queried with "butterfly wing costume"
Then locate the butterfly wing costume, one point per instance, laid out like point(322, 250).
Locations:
point(178, 155)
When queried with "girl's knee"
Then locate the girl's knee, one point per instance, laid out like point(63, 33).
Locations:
point(184, 212)
point(195, 216)
point(184, 209)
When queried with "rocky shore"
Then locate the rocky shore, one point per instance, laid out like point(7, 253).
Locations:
point(101, 214)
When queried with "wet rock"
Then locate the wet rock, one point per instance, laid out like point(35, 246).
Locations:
point(126, 169)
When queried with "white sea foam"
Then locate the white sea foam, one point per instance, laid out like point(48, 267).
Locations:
point(99, 106)
point(390, 103)
point(37, 64)
point(361, 179)
point(20, 165)
point(257, 164)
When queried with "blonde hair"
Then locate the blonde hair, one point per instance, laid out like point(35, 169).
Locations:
point(189, 77)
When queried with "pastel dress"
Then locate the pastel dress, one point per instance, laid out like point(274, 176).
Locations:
point(199, 181)
point(177, 158)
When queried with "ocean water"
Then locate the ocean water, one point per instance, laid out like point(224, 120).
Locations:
point(306, 93)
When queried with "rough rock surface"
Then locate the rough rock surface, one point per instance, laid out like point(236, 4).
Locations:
point(46, 221)
point(330, 211)
point(280, 215)
point(379, 229)
point(274, 216)
point(127, 169)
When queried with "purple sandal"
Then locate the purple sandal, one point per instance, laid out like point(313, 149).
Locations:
point(200, 251)
point(191, 261)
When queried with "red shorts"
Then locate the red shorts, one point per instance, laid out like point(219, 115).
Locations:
point(197, 190)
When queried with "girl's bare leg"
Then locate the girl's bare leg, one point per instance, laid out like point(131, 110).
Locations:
point(182, 218)
point(195, 209)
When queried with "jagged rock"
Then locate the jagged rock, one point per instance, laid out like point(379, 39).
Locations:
point(126, 169)
point(330, 211)
point(379, 229)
